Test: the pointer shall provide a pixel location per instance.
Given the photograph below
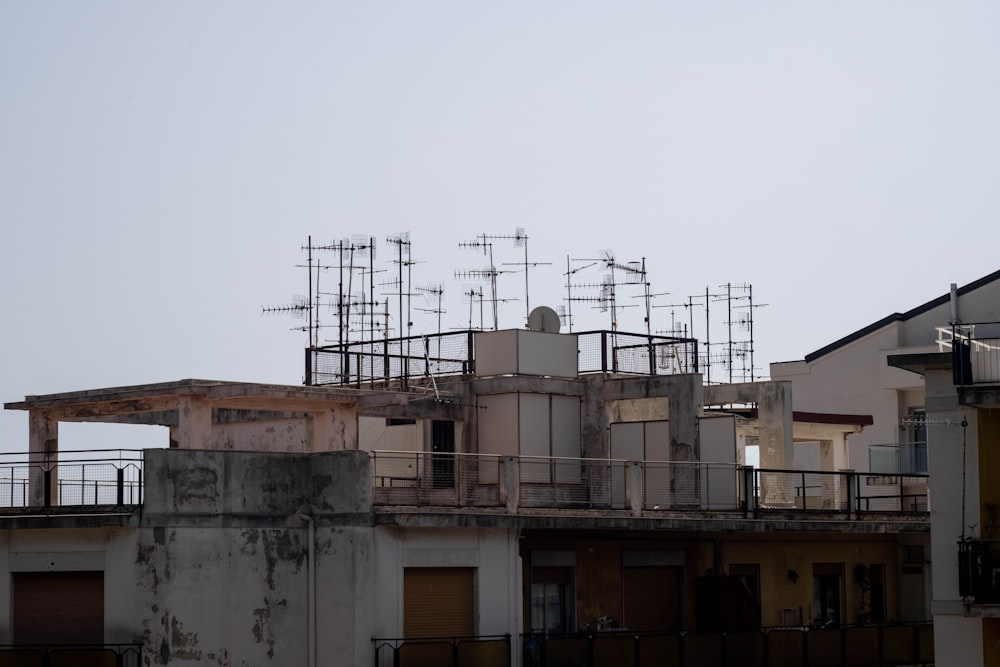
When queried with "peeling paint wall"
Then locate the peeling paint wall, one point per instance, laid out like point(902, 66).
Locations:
point(222, 559)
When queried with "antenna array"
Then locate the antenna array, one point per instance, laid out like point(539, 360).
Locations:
point(362, 315)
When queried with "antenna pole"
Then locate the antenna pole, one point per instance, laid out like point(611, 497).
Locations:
point(309, 243)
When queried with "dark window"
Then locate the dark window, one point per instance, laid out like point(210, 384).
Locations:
point(749, 576)
point(442, 461)
point(876, 589)
point(552, 600)
point(828, 594)
point(397, 421)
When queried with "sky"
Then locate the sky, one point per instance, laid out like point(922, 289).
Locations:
point(163, 165)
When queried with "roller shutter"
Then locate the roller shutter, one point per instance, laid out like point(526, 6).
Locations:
point(58, 607)
point(438, 602)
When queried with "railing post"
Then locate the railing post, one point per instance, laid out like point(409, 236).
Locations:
point(309, 362)
point(121, 486)
point(604, 351)
point(471, 353)
point(510, 483)
point(633, 486)
point(747, 489)
point(47, 476)
point(853, 505)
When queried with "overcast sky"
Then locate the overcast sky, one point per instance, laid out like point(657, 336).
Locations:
point(163, 164)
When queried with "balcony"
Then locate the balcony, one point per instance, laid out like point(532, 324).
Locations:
point(975, 350)
point(400, 360)
point(94, 481)
point(526, 483)
point(979, 571)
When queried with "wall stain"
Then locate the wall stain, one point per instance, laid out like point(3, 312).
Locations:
point(184, 645)
point(279, 546)
point(196, 484)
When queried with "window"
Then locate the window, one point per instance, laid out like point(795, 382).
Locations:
point(916, 442)
point(828, 594)
point(442, 461)
point(876, 590)
point(552, 600)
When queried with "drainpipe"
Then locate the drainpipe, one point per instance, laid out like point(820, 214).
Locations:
point(305, 514)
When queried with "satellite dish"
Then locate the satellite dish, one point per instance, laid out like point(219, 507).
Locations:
point(543, 319)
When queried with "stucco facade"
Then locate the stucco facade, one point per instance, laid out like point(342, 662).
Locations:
point(503, 512)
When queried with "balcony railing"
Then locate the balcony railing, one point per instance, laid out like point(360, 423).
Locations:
point(108, 478)
point(482, 651)
point(874, 644)
point(975, 349)
point(400, 360)
point(515, 482)
point(979, 570)
point(906, 458)
point(105, 655)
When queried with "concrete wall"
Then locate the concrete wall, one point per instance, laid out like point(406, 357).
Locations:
point(222, 558)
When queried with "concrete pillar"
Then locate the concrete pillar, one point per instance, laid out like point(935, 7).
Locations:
point(43, 453)
point(684, 405)
point(194, 423)
point(774, 415)
point(774, 418)
point(832, 484)
point(510, 483)
point(634, 486)
point(335, 429)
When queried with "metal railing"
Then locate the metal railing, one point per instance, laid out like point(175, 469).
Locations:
point(975, 349)
point(71, 479)
point(874, 645)
point(979, 570)
point(400, 360)
point(72, 655)
point(850, 493)
point(514, 482)
point(481, 651)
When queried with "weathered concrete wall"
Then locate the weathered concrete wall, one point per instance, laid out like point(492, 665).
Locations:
point(288, 435)
point(222, 559)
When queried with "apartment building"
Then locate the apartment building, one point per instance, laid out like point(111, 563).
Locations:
point(490, 498)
